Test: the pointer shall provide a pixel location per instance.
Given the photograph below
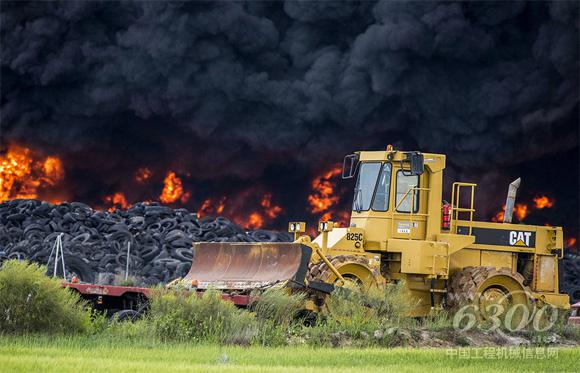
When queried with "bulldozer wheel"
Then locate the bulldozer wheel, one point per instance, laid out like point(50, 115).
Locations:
point(352, 267)
point(482, 287)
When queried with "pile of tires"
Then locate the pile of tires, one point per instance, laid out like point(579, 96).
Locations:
point(570, 283)
point(95, 242)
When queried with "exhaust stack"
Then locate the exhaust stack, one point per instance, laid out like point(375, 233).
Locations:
point(511, 200)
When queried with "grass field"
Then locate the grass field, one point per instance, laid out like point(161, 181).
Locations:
point(20, 354)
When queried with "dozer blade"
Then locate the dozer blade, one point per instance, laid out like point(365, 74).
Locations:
point(242, 266)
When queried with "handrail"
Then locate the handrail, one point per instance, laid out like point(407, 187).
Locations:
point(411, 212)
point(455, 203)
point(413, 189)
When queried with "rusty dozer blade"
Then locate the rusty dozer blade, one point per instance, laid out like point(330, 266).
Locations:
point(243, 266)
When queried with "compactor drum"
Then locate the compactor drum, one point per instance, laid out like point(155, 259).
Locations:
point(401, 229)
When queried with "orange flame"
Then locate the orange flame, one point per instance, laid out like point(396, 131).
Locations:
point(272, 211)
point(237, 207)
point(53, 170)
point(324, 197)
point(143, 174)
point(521, 211)
point(208, 207)
point(21, 175)
point(173, 189)
point(255, 220)
point(543, 202)
point(117, 200)
point(498, 218)
point(571, 242)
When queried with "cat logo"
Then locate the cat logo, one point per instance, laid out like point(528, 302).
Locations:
point(518, 238)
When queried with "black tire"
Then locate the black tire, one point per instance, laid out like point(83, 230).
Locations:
point(574, 295)
point(75, 267)
point(125, 315)
point(309, 319)
point(478, 287)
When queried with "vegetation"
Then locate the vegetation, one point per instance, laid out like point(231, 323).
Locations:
point(277, 312)
point(31, 302)
point(179, 316)
point(80, 354)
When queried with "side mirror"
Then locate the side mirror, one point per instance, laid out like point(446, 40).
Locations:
point(349, 165)
point(417, 163)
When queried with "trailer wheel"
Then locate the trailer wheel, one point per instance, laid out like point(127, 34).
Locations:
point(125, 315)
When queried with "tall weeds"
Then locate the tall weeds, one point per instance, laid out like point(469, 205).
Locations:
point(180, 316)
point(31, 302)
point(362, 315)
point(276, 311)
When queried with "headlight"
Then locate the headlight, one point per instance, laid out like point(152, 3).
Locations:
point(325, 226)
point(297, 227)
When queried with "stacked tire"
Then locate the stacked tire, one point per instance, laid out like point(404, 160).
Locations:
point(570, 281)
point(95, 242)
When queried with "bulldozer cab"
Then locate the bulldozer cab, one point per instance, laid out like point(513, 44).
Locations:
point(396, 194)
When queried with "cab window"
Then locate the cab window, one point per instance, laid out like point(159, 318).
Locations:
point(404, 184)
point(382, 193)
point(365, 185)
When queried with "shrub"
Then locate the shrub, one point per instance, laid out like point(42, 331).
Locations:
point(279, 306)
point(276, 311)
point(31, 302)
point(175, 315)
point(391, 303)
point(438, 319)
point(361, 316)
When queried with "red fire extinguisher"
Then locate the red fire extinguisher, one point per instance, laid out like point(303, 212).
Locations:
point(446, 216)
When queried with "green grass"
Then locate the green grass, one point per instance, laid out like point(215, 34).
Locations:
point(86, 354)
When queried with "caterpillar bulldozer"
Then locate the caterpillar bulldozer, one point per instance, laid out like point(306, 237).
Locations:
point(400, 231)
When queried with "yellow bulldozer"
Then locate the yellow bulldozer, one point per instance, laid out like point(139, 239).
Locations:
point(400, 230)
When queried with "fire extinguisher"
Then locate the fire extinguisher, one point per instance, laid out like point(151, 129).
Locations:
point(446, 216)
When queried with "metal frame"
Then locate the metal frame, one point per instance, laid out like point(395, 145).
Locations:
point(455, 206)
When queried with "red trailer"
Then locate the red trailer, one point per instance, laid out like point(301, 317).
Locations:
point(575, 314)
point(128, 302)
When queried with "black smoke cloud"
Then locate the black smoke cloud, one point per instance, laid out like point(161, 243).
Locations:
point(235, 90)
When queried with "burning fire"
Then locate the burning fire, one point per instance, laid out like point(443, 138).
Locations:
point(23, 176)
point(209, 208)
point(571, 242)
point(522, 210)
point(173, 189)
point(117, 200)
point(53, 170)
point(143, 174)
point(498, 218)
point(256, 219)
point(324, 197)
point(272, 211)
point(543, 202)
